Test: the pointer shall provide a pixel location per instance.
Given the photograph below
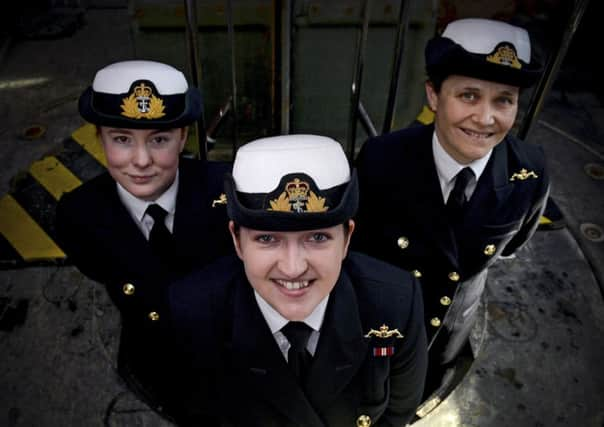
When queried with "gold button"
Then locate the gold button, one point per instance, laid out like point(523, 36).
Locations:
point(435, 321)
point(154, 316)
point(416, 273)
point(128, 289)
point(454, 276)
point(363, 421)
point(489, 250)
point(402, 242)
point(445, 300)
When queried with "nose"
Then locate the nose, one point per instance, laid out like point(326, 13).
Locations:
point(141, 156)
point(293, 262)
point(483, 114)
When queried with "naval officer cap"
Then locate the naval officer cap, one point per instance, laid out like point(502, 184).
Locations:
point(483, 49)
point(291, 183)
point(140, 95)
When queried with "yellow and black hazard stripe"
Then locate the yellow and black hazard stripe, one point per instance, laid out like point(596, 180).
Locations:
point(27, 213)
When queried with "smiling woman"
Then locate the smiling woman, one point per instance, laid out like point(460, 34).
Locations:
point(149, 219)
point(143, 161)
point(283, 332)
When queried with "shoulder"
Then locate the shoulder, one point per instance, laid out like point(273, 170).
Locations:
point(204, 287)
point(386, 295)
point(525, 153)
point(208, 174)
point(398, 140)
point(383, 156)
point(90, 194)
point(380, 281)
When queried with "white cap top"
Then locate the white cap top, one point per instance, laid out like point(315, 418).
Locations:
point(482, 35)
point(118, 77)
point(260, 164)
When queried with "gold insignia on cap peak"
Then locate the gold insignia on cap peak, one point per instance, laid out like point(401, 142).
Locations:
point(384, 332)
point(505, 55)
point(142, 104)
point(298, 197)
point(523, 174)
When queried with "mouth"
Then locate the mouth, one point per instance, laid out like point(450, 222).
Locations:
point(477, 135)
point(293, 285)
point(141, 179)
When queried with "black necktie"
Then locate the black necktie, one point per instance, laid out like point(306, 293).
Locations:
point(298, 357)
point(457, 197)
point(160, 238)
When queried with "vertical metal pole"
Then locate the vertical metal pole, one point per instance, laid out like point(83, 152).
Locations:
point(551, 70)
point(286, 45)
point(355, 91)
point(403, 22)
point(195, 70)
point(231, 30)
point(366, 121)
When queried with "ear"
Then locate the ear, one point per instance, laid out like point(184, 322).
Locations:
point(351, 226)
point(431, 95)
point(183, 140)
point(235, 237)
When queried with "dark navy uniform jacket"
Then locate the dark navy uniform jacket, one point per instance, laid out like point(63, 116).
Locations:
point(98, 235)
point(402, 216)
point(243, 379)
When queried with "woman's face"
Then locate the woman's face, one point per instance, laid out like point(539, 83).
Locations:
point(292, 270)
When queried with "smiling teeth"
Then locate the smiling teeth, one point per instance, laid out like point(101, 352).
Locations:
point(292, 286)
point(476, 134)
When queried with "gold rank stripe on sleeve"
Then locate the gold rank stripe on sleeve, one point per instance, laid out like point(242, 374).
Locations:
point(27, 212)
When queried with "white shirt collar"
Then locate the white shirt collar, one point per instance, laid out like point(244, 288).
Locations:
point(137, 207)
point(276, 321)
point(449, 167)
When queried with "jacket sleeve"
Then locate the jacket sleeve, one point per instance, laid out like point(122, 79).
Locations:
point(408, 367)
point(73, 238)
point(531, 221)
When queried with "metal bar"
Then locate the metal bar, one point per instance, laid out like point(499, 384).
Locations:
point(231, 31)
point(194, 63)
point(355, 90)
point(366, 121)
point(217, 121)
point(403, 23)
point(286, 46)
point(551, 70)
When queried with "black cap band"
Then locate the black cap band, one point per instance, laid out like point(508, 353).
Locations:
point(256, 210)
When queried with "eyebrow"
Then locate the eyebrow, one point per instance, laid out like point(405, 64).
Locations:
point(503, 92)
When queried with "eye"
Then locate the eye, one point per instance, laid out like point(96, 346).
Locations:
point(121, 139)
point(319, 237)
point(265, 238)
point(469, 96)
point(506, 100)
point(160, 139)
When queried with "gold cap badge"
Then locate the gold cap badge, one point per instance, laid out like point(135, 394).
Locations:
point(142, 103)
point(298, 197)
point(505, 54)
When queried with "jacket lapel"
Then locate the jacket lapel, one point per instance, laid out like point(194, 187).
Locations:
point(259, 361)
point(429, 209)
point(341, 348)
point(492, 190)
